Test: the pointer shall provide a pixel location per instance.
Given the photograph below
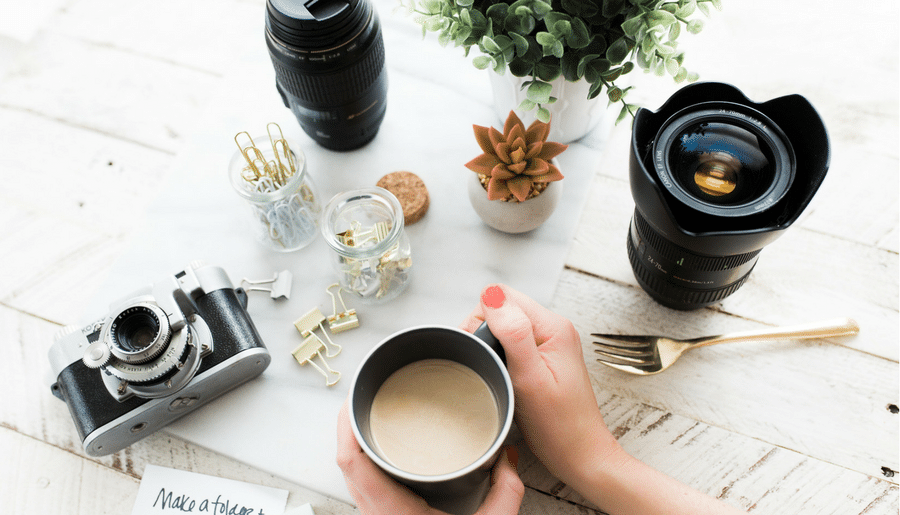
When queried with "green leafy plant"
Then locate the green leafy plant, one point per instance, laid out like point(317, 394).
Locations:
point(597, 40)
point(516, 163)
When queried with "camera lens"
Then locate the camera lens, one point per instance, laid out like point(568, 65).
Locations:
point(329, 65)
point(715, 178)
point(139, 333)
point(724, 162)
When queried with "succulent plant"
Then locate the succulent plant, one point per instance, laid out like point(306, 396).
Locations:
point(515, 165)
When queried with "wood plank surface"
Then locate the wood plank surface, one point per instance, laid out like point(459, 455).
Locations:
point(98, 103)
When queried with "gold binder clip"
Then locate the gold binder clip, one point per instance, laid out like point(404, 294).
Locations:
point(345, 320)
point(308, 323)
point(312, 348)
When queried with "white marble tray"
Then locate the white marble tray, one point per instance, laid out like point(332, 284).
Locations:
point(284, 421)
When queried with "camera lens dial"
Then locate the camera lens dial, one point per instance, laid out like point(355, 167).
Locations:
point(138, 333)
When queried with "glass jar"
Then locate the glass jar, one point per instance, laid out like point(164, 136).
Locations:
point(371, 255)
point(283, 206)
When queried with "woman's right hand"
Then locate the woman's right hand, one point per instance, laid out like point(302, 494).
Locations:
point(555, 404)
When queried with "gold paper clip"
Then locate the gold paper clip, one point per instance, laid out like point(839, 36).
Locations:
point(308, 323)
point(281, 285)
point(286, 166)
point(312, 348)
point(257, 166)
point(345, 320)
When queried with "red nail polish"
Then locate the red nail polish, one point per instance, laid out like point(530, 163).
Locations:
point(493, 297)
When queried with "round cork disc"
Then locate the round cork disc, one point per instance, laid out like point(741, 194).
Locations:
point(410, 191)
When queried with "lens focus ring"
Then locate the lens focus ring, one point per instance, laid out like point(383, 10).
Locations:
point(678, 278)
point(338, 86)
point(672, 295)
point(687, 259)
point(138, 333)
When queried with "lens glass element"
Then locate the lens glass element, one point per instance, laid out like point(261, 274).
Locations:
point(721, 163)
point(136, 330)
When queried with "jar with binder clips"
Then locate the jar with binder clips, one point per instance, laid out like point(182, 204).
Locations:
point(270, 174)
point(371, 256)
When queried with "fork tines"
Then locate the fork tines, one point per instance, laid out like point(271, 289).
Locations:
point(623, 350)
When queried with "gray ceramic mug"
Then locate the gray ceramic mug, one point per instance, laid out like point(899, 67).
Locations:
point(460, 492)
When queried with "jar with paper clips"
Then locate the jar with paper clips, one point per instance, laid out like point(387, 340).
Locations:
point(270, 173)
point(372, 256)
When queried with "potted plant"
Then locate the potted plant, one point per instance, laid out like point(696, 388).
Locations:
point(515, 187)
point(542, 41)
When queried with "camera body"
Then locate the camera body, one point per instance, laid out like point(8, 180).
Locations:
point(715, 178)
point(159, 354)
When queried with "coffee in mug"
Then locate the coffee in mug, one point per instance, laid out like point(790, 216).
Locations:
point(432, 406)
point(433, 417)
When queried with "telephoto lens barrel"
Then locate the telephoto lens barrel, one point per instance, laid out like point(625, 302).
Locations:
point(715, 178)
point(329, 65)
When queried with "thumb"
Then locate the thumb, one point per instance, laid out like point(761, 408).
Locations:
point(507, 490)
point(509, 324)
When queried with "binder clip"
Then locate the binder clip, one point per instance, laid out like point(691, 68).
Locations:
point(345, 320)
point(280, 285)
point(312, 345)
point(356, 237)
point(308, 323)
point(312, 348)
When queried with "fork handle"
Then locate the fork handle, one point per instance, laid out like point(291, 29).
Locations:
point(821, 329)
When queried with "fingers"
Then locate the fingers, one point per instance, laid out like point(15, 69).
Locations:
point(504, 311)
point(372, 489)
point(507, 490)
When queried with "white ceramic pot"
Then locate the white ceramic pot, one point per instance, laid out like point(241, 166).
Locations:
point(514, 217)
point(572, 115)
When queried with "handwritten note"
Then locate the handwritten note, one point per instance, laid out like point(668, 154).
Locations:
point(169, 491)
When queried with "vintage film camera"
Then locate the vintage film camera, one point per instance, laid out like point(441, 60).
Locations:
point(159, 354)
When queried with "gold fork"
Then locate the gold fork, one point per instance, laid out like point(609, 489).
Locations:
point(647, 355)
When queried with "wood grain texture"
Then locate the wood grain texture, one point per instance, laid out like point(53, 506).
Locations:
point(96, 106)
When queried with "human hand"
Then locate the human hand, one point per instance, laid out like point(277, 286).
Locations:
point(375, 493)
point(556, 409)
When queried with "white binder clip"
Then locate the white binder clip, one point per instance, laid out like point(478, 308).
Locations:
point(345, 320)
point(280, 285)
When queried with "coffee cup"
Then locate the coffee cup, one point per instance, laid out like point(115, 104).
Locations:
point(435, 375)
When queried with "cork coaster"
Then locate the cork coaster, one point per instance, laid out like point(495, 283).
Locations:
point(410, 191)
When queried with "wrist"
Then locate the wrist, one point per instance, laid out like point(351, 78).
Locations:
point(620, 484)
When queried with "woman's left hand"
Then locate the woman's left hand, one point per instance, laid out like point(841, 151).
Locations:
point(376, 493)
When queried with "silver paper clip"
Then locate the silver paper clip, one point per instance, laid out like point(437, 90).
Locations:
point(345, 320)
point(280, 285)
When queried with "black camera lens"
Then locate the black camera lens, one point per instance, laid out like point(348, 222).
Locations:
point(724, 162)
point(138, 334)
point(715, 178)
point(329, 68)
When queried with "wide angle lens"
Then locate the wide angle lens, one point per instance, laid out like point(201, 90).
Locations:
point(723, 163)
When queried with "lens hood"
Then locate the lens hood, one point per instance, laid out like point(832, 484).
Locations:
point(714, 232)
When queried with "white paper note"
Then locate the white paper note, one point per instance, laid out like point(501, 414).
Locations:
point(164, 490)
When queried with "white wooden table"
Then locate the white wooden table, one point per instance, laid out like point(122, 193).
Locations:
point(96, 102)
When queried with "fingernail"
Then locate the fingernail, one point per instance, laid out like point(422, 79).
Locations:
point(493, 297)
